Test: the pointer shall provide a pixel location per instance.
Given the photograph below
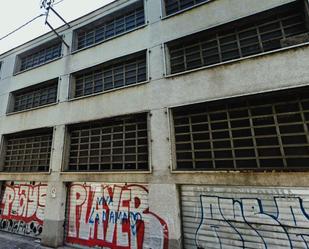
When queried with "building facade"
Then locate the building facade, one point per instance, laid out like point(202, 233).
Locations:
point(164, 124)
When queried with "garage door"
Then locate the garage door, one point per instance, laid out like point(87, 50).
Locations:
point(113, 216)
point(22, 208)
point(245, 217)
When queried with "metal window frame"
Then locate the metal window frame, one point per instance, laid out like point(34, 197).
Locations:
point(38, 49)
point(121, 12)
point(216, 29)
point(107, 64)
point(46, 131)
point(174, 169)
point(166, 60)
point(165, 15)
point(173, 159)
point(33, 88)
point(67, 143)
point(1, 65)
point(35, 56)
point(3, 144)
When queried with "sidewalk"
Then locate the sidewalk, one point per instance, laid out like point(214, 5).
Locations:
point(13, 241)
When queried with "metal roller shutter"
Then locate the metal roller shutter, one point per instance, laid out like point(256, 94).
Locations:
point(244, 217)
point(22, 208)
point(113, 216)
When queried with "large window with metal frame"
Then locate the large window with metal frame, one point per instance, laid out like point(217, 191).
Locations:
point(174, 6)
point(113, 74)
point(39, 56)
point(262, 132)
point(27, 151)
point(248, 36)
point(35, 96)
point(115, 144)
point(111, 25)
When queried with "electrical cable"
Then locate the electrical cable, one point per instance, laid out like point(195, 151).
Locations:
point(57, 2)
point(15, 30)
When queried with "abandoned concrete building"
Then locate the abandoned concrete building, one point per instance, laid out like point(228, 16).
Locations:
point(164, 124)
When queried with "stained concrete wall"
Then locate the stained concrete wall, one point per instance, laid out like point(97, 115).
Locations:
point(266, 72)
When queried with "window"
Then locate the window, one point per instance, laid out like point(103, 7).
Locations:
point(261, 132)
point(110, 75)
point(28, 151)
point(252, 35)
point(112, 25)
point(173, 6)
point(34, 96)
point(39, 56)
point(110, 144)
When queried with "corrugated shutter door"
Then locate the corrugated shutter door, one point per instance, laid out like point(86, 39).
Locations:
point(22, 208)
point(244, 217)
point(112, 216)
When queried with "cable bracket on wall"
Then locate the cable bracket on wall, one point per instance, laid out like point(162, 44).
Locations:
point(47, 5)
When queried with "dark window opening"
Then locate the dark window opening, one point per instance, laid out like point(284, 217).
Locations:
point(112, 25)
point(28, 151)
point(35, 96)
point(260, 132)
point(248, 36)
point(116, 144)
point(173, 6)
point(40, 57)
point(121, 72)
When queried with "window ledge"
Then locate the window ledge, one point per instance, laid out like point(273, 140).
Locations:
point(104, 172)
point(108, 39)
point(37, 66)
point(237, 60)
point(175, 171)
point(31, 109)
point(25, 173)
point(234, 172)
point(184, 10)
point(108, 91)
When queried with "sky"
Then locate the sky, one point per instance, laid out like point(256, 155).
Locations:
point(13, 14)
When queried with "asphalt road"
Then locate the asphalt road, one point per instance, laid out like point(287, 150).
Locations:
point(12, 241)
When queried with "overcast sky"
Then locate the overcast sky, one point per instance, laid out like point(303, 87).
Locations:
point(15, 13)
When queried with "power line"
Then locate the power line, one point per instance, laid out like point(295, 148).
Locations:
point(30, 21)
point(57, 2)
point(12, 32)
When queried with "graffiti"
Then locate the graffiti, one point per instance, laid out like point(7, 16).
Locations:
point(281, 222)
point(20, 227)
point(114, 216)
point(22, 209)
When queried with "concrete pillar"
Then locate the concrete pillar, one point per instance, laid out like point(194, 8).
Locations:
point(64, 82)
point(53, 229)
point(160, 146)
point(163, 192)
point(156, 63)
point(164, 202)
point(153, 11)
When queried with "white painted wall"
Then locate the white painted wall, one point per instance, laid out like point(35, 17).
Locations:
point(280, 69)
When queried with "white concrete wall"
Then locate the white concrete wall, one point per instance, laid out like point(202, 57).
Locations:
point(277, 70)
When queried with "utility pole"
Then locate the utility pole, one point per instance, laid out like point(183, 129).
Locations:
point(47, 5)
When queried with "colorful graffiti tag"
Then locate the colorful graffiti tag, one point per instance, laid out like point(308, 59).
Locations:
point(279, 222)
point(22, 208)
point(113, 216)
